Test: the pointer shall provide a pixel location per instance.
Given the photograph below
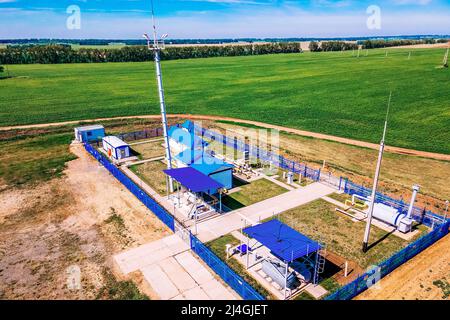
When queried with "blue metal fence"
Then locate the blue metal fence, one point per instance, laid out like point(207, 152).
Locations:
point(148, 201)
point(262, 154)
point(245, 290)
point(362, 283)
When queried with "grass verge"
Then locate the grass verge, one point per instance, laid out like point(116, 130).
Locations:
point(251, 193)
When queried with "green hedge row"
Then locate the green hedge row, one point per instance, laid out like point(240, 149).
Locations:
point(56, 53)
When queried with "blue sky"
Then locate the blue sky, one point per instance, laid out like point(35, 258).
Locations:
point(113, 19)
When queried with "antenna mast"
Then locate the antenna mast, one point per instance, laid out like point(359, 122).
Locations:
point(157, 46)
point(375, 181)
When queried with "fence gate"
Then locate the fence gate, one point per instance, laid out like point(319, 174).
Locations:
point(182, 232)
point(330, 180)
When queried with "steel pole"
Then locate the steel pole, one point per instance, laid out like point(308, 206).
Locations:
point(163, 113)
point(372, 203)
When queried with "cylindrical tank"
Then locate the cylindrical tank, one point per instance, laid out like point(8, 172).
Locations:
point(387, 214)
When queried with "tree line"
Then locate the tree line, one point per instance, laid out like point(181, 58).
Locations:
point(315, 46)
point(332, 46)
point(60, 53)
point(374, 44)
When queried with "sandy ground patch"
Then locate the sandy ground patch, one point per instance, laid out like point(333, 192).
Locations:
point(80, 219)
point(424, 46)
point(414, 279)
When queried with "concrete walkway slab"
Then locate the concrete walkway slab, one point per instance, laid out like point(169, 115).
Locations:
point(182, 280)
point(160, 282)
point(172, 271)
point(196, 294)
point(150, 253)
point(195, 269)
point(216, 291)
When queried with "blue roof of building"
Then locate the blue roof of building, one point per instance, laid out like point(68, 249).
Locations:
point(194, 180)
point(209, 167)
point(283, 241)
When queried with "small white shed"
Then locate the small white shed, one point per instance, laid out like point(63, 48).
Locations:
point(116, 148)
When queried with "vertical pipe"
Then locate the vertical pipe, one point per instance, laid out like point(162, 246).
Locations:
point(416, 189)
point(285, 280)
point(248, 251)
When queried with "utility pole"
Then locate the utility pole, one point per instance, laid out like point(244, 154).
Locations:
point(157, 46)
point(445, 64)
point(375, 182)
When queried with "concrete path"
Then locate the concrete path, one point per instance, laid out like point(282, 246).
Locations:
point(214, 228)
point(133, 163)
point(173, 272)
point(281, 184)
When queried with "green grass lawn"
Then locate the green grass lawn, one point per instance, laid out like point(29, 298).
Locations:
point(332, 93)
point(152, 149)
point(341, 235)
point(33, 157)
point(251, 193)
point(152, 174)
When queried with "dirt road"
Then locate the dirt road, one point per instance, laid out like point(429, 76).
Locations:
point(424, 154)
point(414, 279)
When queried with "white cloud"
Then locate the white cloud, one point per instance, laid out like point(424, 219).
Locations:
point(413, 2)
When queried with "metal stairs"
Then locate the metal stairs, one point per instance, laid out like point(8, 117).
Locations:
point(319, 267)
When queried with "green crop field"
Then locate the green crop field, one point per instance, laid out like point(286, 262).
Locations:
point(331, 93)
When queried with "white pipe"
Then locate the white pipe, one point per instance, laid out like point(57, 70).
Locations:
point(416, 189)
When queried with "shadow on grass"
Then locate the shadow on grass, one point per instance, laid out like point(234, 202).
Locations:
point(232, 203)
point(384, 237)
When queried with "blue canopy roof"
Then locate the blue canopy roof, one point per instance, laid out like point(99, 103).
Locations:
point(210, 168)
point(284, 242)
point(194, 180)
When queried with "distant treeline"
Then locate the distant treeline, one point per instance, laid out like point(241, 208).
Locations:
point(50, 54)
point(332, 46)
point(315, 46)
point(373, 44)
